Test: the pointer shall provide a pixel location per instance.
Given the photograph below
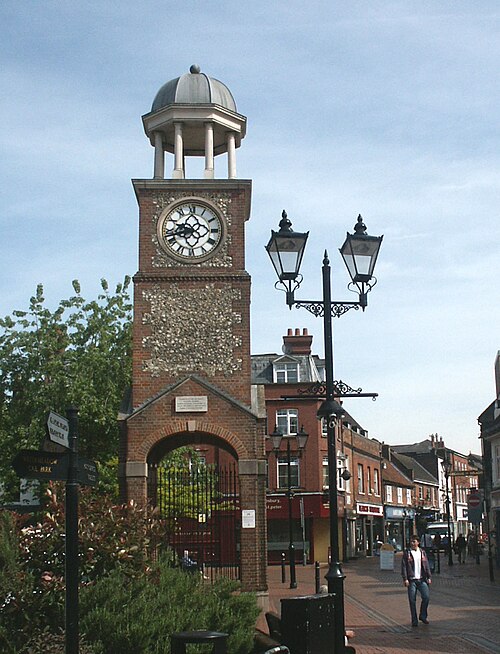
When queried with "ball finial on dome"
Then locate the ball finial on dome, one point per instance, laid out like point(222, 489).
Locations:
point(195, 69)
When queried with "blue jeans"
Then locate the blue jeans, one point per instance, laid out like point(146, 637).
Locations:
point(423, 589)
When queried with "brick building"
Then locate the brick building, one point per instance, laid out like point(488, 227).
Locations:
point(288, 382)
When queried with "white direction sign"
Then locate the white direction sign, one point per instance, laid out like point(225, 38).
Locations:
point(58, 429)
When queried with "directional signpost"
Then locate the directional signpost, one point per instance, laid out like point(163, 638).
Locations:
point(58, 429)
point(87, 472)
point(66, 466)
point(36, 464)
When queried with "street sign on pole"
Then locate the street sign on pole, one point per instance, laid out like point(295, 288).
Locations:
point(87, 472)
point(36, 464)
point(58, 429)
point(475, 507)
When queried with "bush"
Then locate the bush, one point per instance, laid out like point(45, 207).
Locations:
point(127, 615)
point(47, 643)
point(32, 590)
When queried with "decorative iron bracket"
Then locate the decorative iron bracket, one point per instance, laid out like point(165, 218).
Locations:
point(317, 308)
point(318, 390)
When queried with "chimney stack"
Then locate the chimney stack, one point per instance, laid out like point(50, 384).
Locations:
point(297, 343)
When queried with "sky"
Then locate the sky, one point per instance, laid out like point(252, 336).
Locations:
point(385, 109)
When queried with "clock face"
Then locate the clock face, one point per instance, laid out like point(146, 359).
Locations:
point(190, 230)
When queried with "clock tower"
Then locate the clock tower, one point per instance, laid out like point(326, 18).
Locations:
point(191, 335)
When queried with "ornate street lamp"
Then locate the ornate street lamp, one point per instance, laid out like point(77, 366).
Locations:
point(360, 252)
point(446, 463)
point(301, 439)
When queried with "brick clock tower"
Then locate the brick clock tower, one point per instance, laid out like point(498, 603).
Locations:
point(191, 337)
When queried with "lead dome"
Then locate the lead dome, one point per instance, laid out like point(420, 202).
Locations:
point(194, 88)
point(194, 115)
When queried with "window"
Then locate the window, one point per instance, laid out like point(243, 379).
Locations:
point(368, 481)
point(496, 464)
point(420, 493)
point(283, 472)
point(324, 427)
point(287, 421)
point(400, 495)
point(408, 496)
point(361, 478)
point(326, 481)
point(341, 466)
point(376, 485)
point(286, 373)
point(388, 493)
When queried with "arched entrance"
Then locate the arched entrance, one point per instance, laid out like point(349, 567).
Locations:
point(193, 482)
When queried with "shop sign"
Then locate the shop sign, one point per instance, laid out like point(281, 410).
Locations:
point(399, 512)
point(369, 509)
point(314, 506)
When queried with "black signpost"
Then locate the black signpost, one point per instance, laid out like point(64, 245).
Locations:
point(63, 466)
point(72, 616)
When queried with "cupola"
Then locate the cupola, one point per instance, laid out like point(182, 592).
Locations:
point(194, 115)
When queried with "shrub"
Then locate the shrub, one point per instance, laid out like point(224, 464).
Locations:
point(128, 615)
point(32, 591)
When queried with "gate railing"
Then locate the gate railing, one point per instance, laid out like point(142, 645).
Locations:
point(202, 513)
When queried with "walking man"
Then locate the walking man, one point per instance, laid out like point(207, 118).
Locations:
point(416, 575)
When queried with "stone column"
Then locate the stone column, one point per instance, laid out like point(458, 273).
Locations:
point(209, 151)
point(231, 156)
point(136, 473)
point(178, 153)
point(159, 170)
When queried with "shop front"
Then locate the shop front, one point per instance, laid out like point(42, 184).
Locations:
point(399, 525)
point(310, 525)
point(369, 528)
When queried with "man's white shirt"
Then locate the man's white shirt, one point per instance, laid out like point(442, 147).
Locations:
point(417, 562)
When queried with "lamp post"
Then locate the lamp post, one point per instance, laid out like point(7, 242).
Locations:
point(446, 463)
point(359, 251)
point(301, 439)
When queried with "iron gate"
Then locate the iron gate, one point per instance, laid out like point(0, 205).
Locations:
point(201, 509)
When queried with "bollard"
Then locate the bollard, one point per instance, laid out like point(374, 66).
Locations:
point(316, 577)
point(283, 574)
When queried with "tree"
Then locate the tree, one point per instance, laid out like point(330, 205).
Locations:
point(78, 354)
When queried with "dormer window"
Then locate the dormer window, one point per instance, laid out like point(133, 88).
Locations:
point(286, 372)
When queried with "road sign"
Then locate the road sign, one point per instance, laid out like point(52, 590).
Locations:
point(36, 464)
point(58, 429)
point(475, 507)
point(87, 472)
point(474, 500)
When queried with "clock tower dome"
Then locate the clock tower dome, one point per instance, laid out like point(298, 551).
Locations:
point(191, 380)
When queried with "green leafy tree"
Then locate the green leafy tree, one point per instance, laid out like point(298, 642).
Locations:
point(79, 354)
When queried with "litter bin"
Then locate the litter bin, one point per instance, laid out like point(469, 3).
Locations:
point(308, 624)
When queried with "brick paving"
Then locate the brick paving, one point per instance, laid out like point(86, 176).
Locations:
point(464, 610)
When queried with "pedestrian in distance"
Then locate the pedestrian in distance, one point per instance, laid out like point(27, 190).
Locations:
point(416, 575)
point(461, 548)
